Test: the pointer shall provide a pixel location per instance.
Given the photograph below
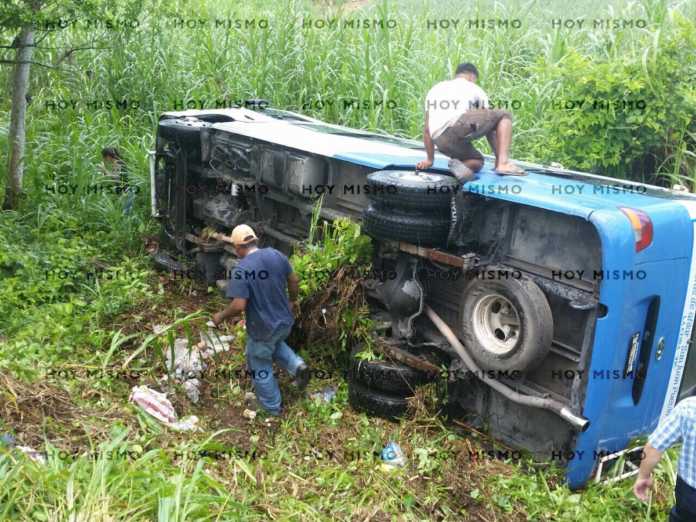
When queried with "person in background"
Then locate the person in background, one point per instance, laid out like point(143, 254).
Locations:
point(116, 172)
point(258, 287)
point(679, 425)
point(457, 112)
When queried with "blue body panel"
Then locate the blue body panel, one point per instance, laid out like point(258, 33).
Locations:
point(609, 406)
point(568, 196)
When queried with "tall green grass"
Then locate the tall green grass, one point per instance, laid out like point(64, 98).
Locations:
point(113, 481)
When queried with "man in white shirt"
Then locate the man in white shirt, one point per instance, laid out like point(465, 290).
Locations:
point(457, 111)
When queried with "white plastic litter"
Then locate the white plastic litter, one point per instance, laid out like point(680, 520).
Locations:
point(157, 405)
point(191, 387)
point(158, 328)
point(213, 342)
point(324, 395)
point(34, 455)
point(188, 361)
point(393, 456)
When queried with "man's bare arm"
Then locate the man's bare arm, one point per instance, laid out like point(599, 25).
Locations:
point(429, 147)
point(651, 456)
point(235, 308)
point(428, 140)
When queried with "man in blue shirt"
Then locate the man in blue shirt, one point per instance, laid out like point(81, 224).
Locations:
point(258, 287)
point(679, 425)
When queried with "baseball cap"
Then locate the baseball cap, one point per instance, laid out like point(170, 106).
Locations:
point(243, 234)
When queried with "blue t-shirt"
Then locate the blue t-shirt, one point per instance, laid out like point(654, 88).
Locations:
point(261, 278)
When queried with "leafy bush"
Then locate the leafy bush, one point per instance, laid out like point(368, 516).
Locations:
point(60, 284)
point(329, 269)
point(341, 245)
point(626, 118)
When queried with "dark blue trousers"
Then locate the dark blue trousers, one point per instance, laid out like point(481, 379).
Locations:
point(685, 508)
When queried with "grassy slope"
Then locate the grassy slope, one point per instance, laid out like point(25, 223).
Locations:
point(51, 321)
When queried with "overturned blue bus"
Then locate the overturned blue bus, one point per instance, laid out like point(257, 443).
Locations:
point(563, 302)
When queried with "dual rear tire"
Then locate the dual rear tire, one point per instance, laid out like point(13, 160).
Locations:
point(382, 388)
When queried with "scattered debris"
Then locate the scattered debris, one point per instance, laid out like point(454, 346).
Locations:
point(213, 341)
point(249, 414)
point(8, 441)
point(34, 455)
point(193, 393)
point(186, 363)
point(157, 405)
point(392, 456)
point(324, 395)
point(158, 328)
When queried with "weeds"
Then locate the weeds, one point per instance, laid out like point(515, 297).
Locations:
point(330, 268)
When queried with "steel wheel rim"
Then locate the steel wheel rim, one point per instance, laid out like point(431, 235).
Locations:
point(419, 177)
point(496, 324)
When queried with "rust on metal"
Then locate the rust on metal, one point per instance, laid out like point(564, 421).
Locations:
point(438, 256)
point(409, 359)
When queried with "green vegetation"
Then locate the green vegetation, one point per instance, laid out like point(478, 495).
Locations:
point(330, 266)
point(78, 294)
point(107, 460)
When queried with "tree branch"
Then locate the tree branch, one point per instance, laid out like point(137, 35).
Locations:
point(70, 49)
point(15, 62)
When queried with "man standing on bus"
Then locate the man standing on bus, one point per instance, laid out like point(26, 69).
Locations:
point(457, 111)
point(679, 425)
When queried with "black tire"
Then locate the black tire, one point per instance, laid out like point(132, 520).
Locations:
point(375, 403)
point(503, 300)
point(411, 190)
point(420, 229)
point(386, 376)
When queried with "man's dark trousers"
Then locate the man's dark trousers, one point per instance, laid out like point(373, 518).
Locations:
point(685, 508)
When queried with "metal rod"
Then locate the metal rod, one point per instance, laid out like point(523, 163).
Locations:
point(560, 409)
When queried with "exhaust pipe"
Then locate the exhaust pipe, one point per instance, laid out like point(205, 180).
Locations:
point(578, 422)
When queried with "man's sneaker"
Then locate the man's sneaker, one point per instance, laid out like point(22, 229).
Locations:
point(302, 376)
point(252, 404)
